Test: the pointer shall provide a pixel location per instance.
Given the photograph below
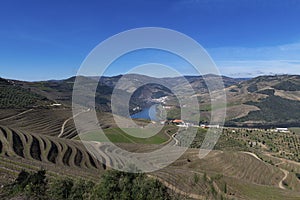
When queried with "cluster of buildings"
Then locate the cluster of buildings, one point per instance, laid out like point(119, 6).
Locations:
point(282, 130)
point(210, 126)
point(178, 122)
point(181, 123)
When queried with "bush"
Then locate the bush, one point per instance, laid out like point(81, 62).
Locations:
point(37, 184)
point(113, 185)
point(123, 186)
point(69, 189)
point(81, 189)
point(61, 188)
point(29, 184)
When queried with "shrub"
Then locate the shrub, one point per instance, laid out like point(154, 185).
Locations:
point(61, 188)
point(123, 186)
point(29, 184)
point(113, 185)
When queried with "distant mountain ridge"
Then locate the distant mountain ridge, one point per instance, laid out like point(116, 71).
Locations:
point(260, 101)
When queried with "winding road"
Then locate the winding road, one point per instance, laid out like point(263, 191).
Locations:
point(286, 173)
point(22, 113)
point(176, 140)
point(66, 121)
point(252, 154)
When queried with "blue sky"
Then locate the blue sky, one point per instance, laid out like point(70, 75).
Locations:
point(50, 39)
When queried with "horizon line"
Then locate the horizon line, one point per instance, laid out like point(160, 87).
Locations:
point(185, 75)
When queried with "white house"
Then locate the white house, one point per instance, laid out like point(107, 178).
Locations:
point(210, 126)
point(282, 130)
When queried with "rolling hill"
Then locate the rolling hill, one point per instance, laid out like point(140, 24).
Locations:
point(14, 96)
point(35, 134)
point(221, 174)
point(21, 150)
point(250, 102)
point(272, 101)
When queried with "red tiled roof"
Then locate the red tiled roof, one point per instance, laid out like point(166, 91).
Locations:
point(177, 121)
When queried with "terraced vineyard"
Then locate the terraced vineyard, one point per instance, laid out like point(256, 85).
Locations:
point(8, 113)
point(283, 145)
point(60, 156)
point(41, 138)
point(233, 175)
point(227, 174)
point(39, 121)
point(51, 121)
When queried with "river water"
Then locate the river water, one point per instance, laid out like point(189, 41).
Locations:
point(148, 113)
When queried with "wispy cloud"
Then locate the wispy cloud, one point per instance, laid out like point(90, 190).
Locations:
point(279, 52)
point(252, 68)
point(250, 62)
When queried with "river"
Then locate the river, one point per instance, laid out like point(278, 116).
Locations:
point(147, 113)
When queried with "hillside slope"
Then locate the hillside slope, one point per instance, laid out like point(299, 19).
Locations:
point(261, 101)
point(19, 150)
point(15, 96)
point(273, 101)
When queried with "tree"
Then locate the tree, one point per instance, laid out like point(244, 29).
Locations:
point(29, 184)
point(204, 177)
point(81, 189)
point(113, 185)
point(36, 185)
point(225, 188)
point(196, 178)
point(61, 188)
point(22, 179)
point(127, 186)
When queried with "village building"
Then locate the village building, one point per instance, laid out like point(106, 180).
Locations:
point(282, 130)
